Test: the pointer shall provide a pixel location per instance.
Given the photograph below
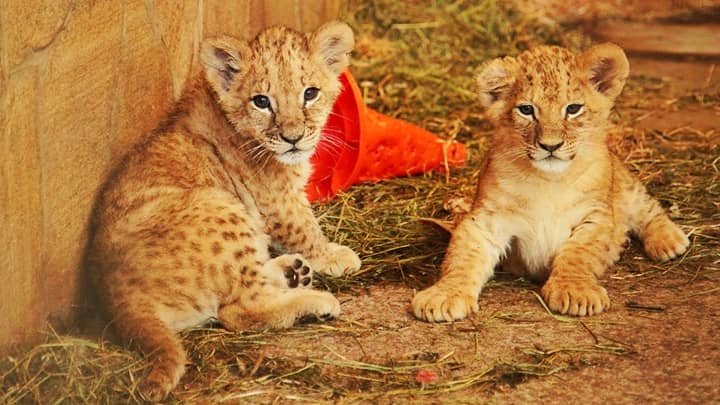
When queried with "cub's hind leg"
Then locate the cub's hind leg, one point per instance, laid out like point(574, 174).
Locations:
point(662, 239)
point(272, 304)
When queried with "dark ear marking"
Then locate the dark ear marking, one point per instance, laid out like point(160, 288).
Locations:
point(229, 69)
point(229, 72)
point(494, 95)
point(607, 69)
point(599, 74)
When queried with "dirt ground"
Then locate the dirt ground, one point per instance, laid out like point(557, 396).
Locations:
point(657, 344)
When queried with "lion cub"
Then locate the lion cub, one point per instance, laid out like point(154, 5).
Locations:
point(183, 225)
point(552, 197)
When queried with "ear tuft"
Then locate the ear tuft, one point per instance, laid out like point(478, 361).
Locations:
point(607, 68)
point(495, 80)
point(333, 42)
point(221, 59)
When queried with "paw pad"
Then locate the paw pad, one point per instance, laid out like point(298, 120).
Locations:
point(298, 274)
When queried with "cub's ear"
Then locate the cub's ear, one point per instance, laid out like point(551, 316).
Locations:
point(607, 68)
point(332, 43)
point(221, 59)
point(495, 84)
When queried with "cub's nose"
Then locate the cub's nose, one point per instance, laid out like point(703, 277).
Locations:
point(291, 139)
point(551, 148)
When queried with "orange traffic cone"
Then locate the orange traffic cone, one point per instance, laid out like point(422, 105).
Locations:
point(362, 145)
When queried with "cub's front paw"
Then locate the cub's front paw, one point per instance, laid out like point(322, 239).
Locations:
point(337, 260)
point(664, 240)
point(438, 304)
point(575, 297)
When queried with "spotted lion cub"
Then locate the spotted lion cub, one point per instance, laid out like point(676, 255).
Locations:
point(552, 198)
point(183, 226)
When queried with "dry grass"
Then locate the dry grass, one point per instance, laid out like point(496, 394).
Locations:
point(415, 61)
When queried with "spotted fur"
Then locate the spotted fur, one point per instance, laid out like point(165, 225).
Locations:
point(552, 201)
point(183, 227)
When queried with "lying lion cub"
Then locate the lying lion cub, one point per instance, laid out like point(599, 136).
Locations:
point(552, 200)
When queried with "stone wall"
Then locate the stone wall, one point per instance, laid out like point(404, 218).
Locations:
point(80, 81)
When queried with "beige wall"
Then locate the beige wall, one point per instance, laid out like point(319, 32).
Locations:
point(80, 81)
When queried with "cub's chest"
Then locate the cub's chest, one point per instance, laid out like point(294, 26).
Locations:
point(545, 227)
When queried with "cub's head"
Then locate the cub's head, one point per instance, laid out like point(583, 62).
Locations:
point(557, 102)
point(278, 89)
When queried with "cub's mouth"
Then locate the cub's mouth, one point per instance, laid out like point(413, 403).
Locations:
point(551, 163)
point(554, 158)
point(294, 155)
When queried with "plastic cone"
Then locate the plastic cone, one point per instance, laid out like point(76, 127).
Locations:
point(360, 144)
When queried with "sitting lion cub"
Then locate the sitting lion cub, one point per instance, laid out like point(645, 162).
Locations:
point(552, 198)
point(182, 228)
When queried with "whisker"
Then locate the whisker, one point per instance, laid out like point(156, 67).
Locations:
point(339, 115)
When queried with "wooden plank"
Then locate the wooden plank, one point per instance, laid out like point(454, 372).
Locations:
point(281, 12)
point(35, 25)
point(257, 17)
point(21, 215)
point(227, 18)
point(246, 18)
point(75, 94)
point(144, 91)
point(180, 27)
point(662, 39)
point(314, 13)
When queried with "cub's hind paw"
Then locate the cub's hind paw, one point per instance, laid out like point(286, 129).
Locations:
point(664, 240)
point(316, 318)
point(437, 304)
point(318, 306)
point(298, 274)
point(575, 297)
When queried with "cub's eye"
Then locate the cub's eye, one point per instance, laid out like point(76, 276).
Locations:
point(526, 109)
point(261, 101)
point(573, 109)
point(311, 93)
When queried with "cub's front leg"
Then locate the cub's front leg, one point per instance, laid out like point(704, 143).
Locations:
point(475, 248)
point(572, 287)
point(297, 229)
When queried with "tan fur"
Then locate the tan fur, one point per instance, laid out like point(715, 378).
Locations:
point(183, 227)
point(562, 218)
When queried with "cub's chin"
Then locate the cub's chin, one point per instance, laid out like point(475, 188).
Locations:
point(293, 157)
point(551, 164)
